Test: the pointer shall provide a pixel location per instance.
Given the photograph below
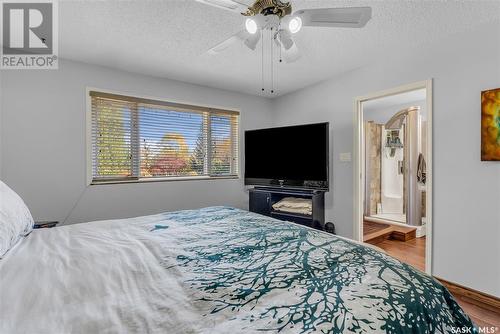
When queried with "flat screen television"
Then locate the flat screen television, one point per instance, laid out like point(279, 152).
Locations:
point(291, 156)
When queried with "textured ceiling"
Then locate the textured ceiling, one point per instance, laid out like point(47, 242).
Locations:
point(168, 38)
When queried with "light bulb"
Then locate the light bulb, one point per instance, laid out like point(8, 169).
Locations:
point(295, 24)
point(251, 26)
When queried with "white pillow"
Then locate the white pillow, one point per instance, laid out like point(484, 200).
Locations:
point(15, 218)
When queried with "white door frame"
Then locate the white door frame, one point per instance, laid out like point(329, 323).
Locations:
point(359, 162)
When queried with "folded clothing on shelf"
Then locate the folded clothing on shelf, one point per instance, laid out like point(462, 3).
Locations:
point(294, 205)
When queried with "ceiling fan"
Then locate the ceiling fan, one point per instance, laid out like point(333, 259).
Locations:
point(277, 17)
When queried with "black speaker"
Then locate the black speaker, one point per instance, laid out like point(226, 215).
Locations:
point(330, 227)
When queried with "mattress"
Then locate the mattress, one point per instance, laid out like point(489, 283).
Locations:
point(213, 270)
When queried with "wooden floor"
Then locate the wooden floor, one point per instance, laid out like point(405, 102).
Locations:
point(413, 253)
point(370, 228)
point(481, 316)
point(377, 232)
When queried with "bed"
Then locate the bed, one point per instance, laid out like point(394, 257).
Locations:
point(213, 270)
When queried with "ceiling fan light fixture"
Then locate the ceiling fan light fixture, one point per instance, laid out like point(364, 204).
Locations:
point(295, 24)
point(284, 38)
point(251, 26)
point(252, 40)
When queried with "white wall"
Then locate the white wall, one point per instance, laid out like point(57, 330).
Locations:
point(466, 191)
point(43, 144)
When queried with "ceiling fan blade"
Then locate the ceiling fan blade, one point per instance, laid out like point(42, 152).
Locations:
point(350, 17)
point(242, 36)
point(231, 5)
point(239, 36)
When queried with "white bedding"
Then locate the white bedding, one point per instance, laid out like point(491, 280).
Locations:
point(213, 270)
point(99, 277)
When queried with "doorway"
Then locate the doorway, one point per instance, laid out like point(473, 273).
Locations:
point(393, 172)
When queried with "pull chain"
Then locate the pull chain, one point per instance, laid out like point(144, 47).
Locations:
point(272, 62)
point(279, 56)
point(273, 76)
point(262, 57)
point(280, 46)
point(277, 67)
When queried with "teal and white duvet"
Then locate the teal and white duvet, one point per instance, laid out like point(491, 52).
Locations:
point(214, 270)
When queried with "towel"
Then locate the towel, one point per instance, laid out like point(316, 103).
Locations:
point(421, 169)
point(294, 202)
point(302, 211)
point(294, 205)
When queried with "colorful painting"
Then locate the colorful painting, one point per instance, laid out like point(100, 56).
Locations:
point(490, 125)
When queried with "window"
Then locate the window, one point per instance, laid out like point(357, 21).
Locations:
point(141, 139)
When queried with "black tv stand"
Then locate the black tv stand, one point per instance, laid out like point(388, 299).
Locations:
point(262, 199)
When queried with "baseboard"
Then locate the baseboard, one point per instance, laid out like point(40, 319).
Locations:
point(478, 298)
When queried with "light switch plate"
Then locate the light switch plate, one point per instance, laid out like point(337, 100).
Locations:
point(345, 157)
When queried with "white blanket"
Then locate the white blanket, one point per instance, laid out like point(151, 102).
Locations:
point(214, 270)
point(99, 277)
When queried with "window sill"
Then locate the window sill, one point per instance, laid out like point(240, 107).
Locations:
point(165, 179)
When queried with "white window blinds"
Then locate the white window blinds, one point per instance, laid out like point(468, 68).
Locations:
point(135, 139)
